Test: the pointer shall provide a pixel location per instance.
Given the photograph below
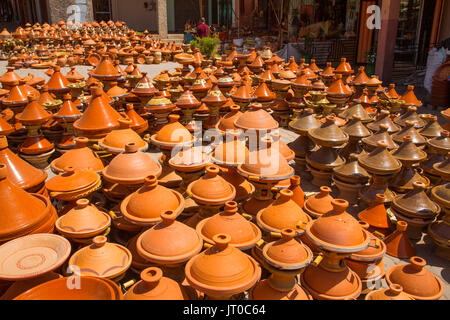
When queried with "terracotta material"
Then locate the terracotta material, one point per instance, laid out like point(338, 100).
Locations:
point(144, 87)
point(80, 158)
point(169, 243)
point(395, 292)
point(398, 244)
point(57, 82)
point(72, 180)
point(409, 98)
point(136, 209)
point(283, 213)
point(337, 230)
point(256, 119)
point(172, 134)
point(117, 139)
point(5, 127)
point(22, 213)
point(287, 253)
point(153, 286)
point(9, 78)
point(244, 234)
point(189, 160)
point(416, 280)
point(227, 121)
point(263, 93)
point(376, 215)
point(298, 195)
point(320, 203)
point(432, 128)
point(307, 120)
point(138, 123)
point(384, 118)
point(243, 94)
point(380, 161)
point(264, 291)
point(338, 88)
point(355, 129)
point(101, 259)
point(19, 172)
point(211, 189)
point(222, 270)
point(16, 96)
point(68, 111)
point(105, 70)
point(83, 221)
point(32, 256)
point(33, 114)
point(410, 115)
point(74, 76)
point(92, 125)
point(416, 203)
point(91, 288)
point(371, 142)
point(356, 110)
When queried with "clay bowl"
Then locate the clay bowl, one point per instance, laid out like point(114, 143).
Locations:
point(90, 288)
point(190, 167)
point(29, 256)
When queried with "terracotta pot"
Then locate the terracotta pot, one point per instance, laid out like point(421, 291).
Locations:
point(298, 194)
point(328, 134)
point(376, 215)
point(283, 213)
point(244, 234)
point(395, 292)
point(153, 286)
point(117, 139)
point(83, 221)
point(398, 244)
point(380, 161)
point(90, 288)
point(256, 119)
point(381, 135)
point(222, 270)
point(409, 130)
point(320, 203)
point(101, 259)
point(169, 243)
point(135, 207)
point(416, 281)
point(172, 134)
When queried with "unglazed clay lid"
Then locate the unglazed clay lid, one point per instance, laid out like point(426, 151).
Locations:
point(287, 74)
point(355, 128)
point(170, 242)
point(80, 158)
point(410, 98)
point(256, 118)
point(244, 234)
point(222, 269)
point(211, 188)
point(172, 133)
point(301, 80)
point(145, 205)
point(394, 292)
point(380, 160)
point(232, 151)
point(117, 139)
point(83, 221)
point(409, 152)
point(328, 133)
point(73, 75)
point(375, 250)
point(416, 203)
point(187, 101)
point(416, 280)
point(32, 255)
point(319, 203)
point(19, 172)
point(356, 109)
point(22, 212)
point(337, 230)
point(68, 109)
point(305, 122)
point(227, 121)
point(153, 286)
point(441, 143)
point(72, 180)
point(283, 213)
point(287, 253)
point(101, 259)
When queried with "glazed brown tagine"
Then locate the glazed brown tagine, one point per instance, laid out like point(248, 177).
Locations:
point(338, 235)
point(436, 150)
point(285, 259)
point(222, 270)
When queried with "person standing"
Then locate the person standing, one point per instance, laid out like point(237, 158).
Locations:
point(202, 29)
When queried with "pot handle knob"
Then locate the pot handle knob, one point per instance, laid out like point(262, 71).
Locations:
point(317, 260)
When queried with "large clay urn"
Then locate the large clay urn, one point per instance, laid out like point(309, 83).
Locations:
point(416, 280)
point(101, 259)
point(136, 208)
point(222, 270)
point(23, 213)
point(154, 286)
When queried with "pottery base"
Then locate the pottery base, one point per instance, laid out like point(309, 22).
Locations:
point(347, 191)
point(39, 161)
point(320, 178)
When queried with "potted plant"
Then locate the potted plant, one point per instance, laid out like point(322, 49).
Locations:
point(208, 46)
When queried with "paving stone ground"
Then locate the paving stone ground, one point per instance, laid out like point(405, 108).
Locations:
point(425, 247)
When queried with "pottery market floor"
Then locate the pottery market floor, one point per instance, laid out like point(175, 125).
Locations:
point(425, 247)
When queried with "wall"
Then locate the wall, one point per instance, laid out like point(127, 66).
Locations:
point(135, 15)
point(188, 10)
point(58, 10)
point(445, 24)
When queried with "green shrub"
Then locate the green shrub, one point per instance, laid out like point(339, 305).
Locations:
point(208, 45)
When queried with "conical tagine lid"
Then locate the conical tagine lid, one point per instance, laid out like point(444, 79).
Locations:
point(257, 119)
point(380, 160)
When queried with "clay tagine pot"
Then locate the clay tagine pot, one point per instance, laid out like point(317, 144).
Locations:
point(117, 139)
point(222, 270)
point(256, 119)
point(398, 244)
point(395, 292)
point(416, 280)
